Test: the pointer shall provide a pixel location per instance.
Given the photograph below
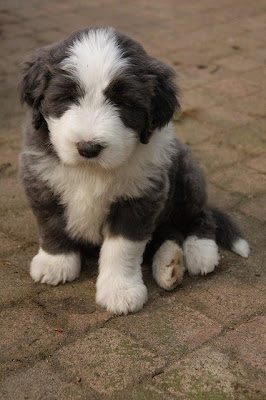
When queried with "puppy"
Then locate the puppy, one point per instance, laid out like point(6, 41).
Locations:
point(102, 167)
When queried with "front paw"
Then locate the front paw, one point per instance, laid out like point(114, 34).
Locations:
point(55, 268)
point(121, 296)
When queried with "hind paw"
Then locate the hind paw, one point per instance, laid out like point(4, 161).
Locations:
point(168, 269)
point(201, 255)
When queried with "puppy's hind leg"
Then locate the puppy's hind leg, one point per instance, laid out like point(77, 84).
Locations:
point(167, 266)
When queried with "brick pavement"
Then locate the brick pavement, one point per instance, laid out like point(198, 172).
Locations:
point(204, 340)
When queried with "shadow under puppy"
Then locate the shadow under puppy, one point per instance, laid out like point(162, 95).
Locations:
point(101, 167)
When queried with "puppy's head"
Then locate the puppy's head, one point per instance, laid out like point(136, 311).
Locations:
point(98, 94)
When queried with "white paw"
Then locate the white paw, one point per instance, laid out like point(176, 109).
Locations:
point(121, 296)
point(53, 269)
point(201, 255)
point(167, 267)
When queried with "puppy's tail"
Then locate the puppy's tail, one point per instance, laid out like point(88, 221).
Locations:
point(228, 235)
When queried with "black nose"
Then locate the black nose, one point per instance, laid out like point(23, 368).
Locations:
point(89, 149)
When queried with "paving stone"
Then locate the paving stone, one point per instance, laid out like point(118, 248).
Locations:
point(254, 105)
point(210, 374)
point(24, 333)
point(21, 258)
point(257, 76)
point(11, 193)
point(192, 132)
point(247, 341)
point(255, 208)
point(200, 72)
point(258, 163)
point(214, 156)
point(73, 304)
point(143, 392)
point(247, 138)
point(238, 63)
point(220, 296)
point(222, 199)
point(169, 330)
point(199, 98)
point(224, 116)
point(232, 88)
point(107, 360)
point(14, 283)
point(240, 179)
point(20, 224)
point(8, 245)
point(43, 382)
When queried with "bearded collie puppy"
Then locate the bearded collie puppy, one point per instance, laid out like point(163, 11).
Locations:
point(101, 167)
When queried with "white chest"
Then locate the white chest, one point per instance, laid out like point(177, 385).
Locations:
point(86, 211)
point(87, 199)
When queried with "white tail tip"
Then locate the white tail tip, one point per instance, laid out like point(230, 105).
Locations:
point(241, 247)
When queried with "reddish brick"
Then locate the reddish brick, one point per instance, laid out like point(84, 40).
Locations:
point(221, 296)
point(221, 198)
point(107, 360)
point(258, 163)
point(239, 179)
point(238, 63)
point(214, 156)
point(14, 282)
point(255, 208)
point(170, 329)
point(25, 333)
point(192, 132)
point(232, 88)
point(43, 381)
point(11, 195)
point(248, 342)
point(248, 138)
point(21, 224)
point(208, 373)
point(224, 116)
point(8, 245)
point(254, 105)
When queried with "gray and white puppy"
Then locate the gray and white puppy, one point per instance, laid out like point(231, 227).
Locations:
point(102, 167)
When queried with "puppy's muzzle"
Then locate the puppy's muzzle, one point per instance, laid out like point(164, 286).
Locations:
point(89, 149)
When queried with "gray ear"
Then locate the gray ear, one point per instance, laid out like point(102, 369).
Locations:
point(36, 77)
point(165, 99)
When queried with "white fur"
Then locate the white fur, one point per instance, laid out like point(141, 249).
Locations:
point(87, 191)
point(53, 269)
point(94, 59)
point(167, 267)
point(120, 288)
point(241, 247)
point(201, 255)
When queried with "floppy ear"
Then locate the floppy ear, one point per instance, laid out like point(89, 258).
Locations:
point(164, 100)
point(36, 76)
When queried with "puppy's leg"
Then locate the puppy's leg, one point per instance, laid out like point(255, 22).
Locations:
point(58, 259)
point(167, 266)
point(120, 288)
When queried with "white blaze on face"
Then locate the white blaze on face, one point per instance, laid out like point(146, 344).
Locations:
point(94, 60)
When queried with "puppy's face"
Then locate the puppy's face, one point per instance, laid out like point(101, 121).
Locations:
point(98, 94)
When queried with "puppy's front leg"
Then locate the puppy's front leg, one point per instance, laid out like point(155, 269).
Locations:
point(120, 288)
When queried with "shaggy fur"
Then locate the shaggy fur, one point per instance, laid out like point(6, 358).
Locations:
point(101, 167)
